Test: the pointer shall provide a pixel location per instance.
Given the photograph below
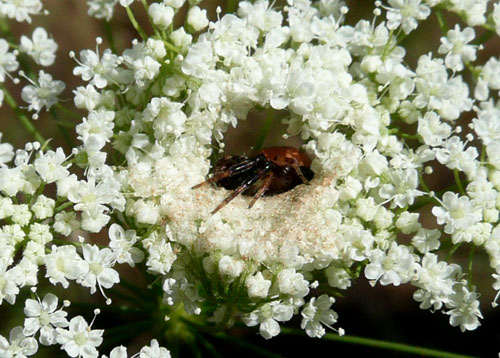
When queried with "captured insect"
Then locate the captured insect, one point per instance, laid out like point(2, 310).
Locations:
point(270, 171)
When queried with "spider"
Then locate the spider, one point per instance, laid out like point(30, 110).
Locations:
point(274, 169)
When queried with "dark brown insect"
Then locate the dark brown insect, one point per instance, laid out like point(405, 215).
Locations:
point(270, 171)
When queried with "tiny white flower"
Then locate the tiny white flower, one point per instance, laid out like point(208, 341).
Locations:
point(8, 284)
point(405, 13)
point(64, 263)
point(181, 39)
point(197, 18)
point(87, 97)
point(42, 48)
point(94, 219)
point(65, 222)
point(257, 286)
point(454, 155)
point(122, 243)
point(472, 10)
point(486, 125)
point(43, 207)
point(117, 352)
point(161, 256)
point(11, 180)
point(100, 272)
point(21, 10)
point(338, 277)
point(50, 165)
point(8, 61)
point(126, 3)
point(40, 233)
point(154, 351)
point(456, 212)
point(402, 190)
point(21, 214)
point(161, 14)
point(147, 212)
point(42, 93)
point(496, 17)
point(267, 317)
point(101, 9)
point(99, 71)
point(292, 283)
point(44, 316)
point(174, 3)
point(408, 222)
point(13, 233)
point(455, 46)
point(230, 267)
point(464, 310)
point(25, 272)
point(79, 340)
point(426, 240)
point(6, 207)
point(432, 130)
point(96, 130)
point(179, 290)
point(396, 266)
point(438, 277)
point(6, 152)
point(317, 313)
point(18, 346)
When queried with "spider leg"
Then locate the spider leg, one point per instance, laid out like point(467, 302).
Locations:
point(233, 169)
point(262, 189)
point(242, 188)
point(295, 166)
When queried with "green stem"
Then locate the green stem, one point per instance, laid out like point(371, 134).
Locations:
point(422, 182)
point(122, 333)
point(136, 25)
point(126, 297)
point(483, 154)
point(452, 251)
point(393, 346)
point(145, 5)
point(260, 352)
point(484, 37)
point(441, 21)
point(62, 127)
point(459, 182)
point(264, 131)
point(387, 46)
point(63, 109)
point(63, 206)
point(209, 347)
point(109, 35)
point(469, 268)
point(171, 47)
point(61, 242)
point(107, 308)
point(25, 121)
point(136, 290)
point(232, 6)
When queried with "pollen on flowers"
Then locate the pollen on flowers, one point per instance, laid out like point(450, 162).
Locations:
point(293, 218)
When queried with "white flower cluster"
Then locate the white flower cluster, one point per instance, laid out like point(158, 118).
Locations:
point(373, 126)
point(76, 337)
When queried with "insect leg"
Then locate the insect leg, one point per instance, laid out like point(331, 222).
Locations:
point(262, 190)
point(242, 188)
point(233, 169)
point(295, 166)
